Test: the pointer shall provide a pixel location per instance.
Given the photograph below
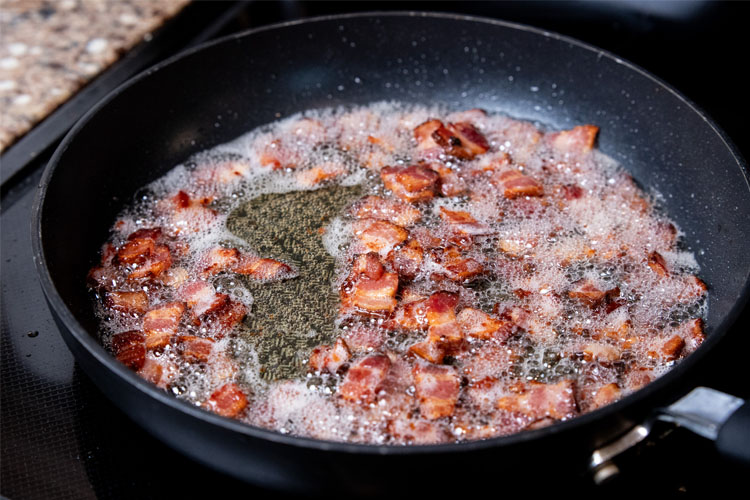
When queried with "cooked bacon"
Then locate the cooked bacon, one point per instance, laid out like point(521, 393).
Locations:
point(225, 318)
point(320, 173)
point(440, 307)
point(586, 292)
point(363, 338)
point(409, 429)
point(572, 192)
point(153, 371)
point(464, 222)
point(367, 264)
point(136, 251)
point(407, 259)
point(411, 315)
point(329, 358)
point(379, 236)
point(423, 135)
point(174, 277)
point(153, 233)
point(578, 140)
point(376, 295)
point(692, 332)
point(227, 401)
point(102, 277)
point(450, 183)
point(461, 139)
point(375, 207)
point(460, 268)
point(597, 351)
point(364, 379)
point(195, 349)
point(263, 269)
point(277, 155)
point(187, 214)
point(515, 184)
point(480, 325)
point(128, 302)
point(543, 400)
point(605, 395)
point(437, 388)
point(219, 259)
point(412, 183)
point(158, 261)
point(657, 264)
point(201, 298)
point(161, 323)
point(672, 348)
point(129, 349)
point(486, 363)
point(444, 333)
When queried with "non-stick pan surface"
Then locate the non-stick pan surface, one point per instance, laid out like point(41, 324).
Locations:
point(213, 94)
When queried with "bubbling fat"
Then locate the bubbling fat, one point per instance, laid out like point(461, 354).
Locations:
point(590, 282)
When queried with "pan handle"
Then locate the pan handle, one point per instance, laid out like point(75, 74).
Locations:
point(723, 418)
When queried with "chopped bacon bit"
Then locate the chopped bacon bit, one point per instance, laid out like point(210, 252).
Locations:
point(187, 214)
point(375, 207)
point(657, 264)
point(202, 299)
point(572, 192)
point(693, 333)
point(380, 236)
point(136, 251)
point(543, 400)
point(369, 265)
point(600, 352)
point(128, 302)
point(103, 277)
point(480, 325)
point(460, 268)
point(474, 143)
point(128, 348)
point(437, 388)
point(423, 135)
point(219, 259)
point(450, 183)
point(411, 315)
point(638, 378)
point(376, 295)
point(515, 184)
point(362, 338)
point(263, 269)
point(319, 173)
point(365, 378)
point(413, 183)
point(485, 364)
point(605, 395)
point(278, 156)
point(152, 371)
point(329, 358)
point(161, 323)
point(461, 139)
point(158, 261)
point(195, 349)
point(174, 277)
point(430, 350)
point(407, 260)
point(464, 222)
point(672, 348)
point(586, 292)
point(578, 140)
point(227, 401)
point(440, 307)
point(153, 233)
point(444, 334)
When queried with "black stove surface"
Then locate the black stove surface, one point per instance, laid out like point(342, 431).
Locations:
point(60, 438)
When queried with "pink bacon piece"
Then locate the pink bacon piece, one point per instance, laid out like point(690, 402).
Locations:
point(187, 214)
point(396, 212)
point(195, 349)
point(263, 269)
point(480, 325)
point(202, 299)
point(329, 358)
point(376, 295)
point(365, 378)
point(412, 183)
point(219, 259)
point(437, 388)
point(379, 236)
point(515, 184)
point(578, 140)
point(128, 302)
point(540, 401)
point(463, 222)
point(161, 323)
point(227, 401)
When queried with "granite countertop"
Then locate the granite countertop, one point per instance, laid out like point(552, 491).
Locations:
point(50, 49)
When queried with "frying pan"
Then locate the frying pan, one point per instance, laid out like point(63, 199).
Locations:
point(215, 93)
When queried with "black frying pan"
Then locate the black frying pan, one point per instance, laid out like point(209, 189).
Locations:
point(213, 94)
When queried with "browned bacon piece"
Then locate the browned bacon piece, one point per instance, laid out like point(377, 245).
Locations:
point(129, 349)
point(263, 269)
point(102, 277)
point(407, 260)
point(670, 350)
point(128, 302)
point(227, 401)
point(379, 236)
point(450, 183)
point(367, 264)
point(586, 292)
point(461, 139)
point(187, 215)
point(195, 349)
point(437, 388)
point(136, 251)
point(376, 295)
point(460, 268)
point(412, 183)
point(540, 401)
point(202, 299)
point(599, 351)
point(153, 371)
point(411, 315)
point(578, 140)
point(329, 358)
point(444, 336)
point(657, 264)
point(158, 261)
point(226, 318)
point(605, 395)
point(320, 173)
point(481, 325)
point(364, 338)
point(364, 379)
point(161, 323)
point(463, 222)
point(515, 184)
point(219, 259)
point(423, 135)
point(375, 207)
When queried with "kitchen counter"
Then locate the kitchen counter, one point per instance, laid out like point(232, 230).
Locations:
point(51, 49)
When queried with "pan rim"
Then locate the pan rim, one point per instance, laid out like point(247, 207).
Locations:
point(97, 351)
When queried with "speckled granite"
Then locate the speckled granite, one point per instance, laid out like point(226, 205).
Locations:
point(49, 49)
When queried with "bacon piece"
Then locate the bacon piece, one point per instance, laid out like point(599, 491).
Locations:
point(375, 207)
point(221, 173)
point(367, 264)
point(227, 401)
point(277, 156)
point(329, 358)
point(657, 264)
point(515, 184)
point(364, 379)
point(128, 302)
point(412, 183)
point(480, 325)
point(672, 348)
point(423, 135)
point(152, 371)
point(461, 139)
point(320, 173)
point(161, 323)
point(102, 277)
point(363, 338)
point(692, 332)
point(219, 259)
point(153, 233)
point(263, 269)
point(407, 260)
point(157, 262)
point(129, 349)
point(572, 192)
point(202, 299)
point(597, 351)
point(485, 364)
point(380, 236)
point(376, 295)
point(450, 183)
point(174, 277)
point(543, 400)
point(187, 214)
point(460, 268)
point(444, 335)
point(578, 140)
point(135, 251)
point(464, 222)
point(605, 395)
point(437, 388)
point(440, 307)
point(586, 292)
point(223, 320)
point(408, 429)
point(411, 315)
point(195, 349)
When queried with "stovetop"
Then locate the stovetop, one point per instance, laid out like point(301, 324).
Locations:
point(61, 438)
